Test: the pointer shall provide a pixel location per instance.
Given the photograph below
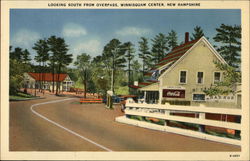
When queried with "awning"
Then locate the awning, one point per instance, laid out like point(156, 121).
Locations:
point(151, 87)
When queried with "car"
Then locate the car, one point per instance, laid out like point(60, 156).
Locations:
point(115, 99)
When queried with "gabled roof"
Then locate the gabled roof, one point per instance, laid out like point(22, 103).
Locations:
point(167, 61)
point(188, 51)
point(177, 54)
point(48, 77)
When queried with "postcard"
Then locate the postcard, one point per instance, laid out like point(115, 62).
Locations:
point(124, 80)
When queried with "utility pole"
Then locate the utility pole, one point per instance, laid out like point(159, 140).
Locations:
point(112, 79)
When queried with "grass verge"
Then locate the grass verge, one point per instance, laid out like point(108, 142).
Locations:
point(21, 96)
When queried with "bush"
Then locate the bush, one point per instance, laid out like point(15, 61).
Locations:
point(177, 102)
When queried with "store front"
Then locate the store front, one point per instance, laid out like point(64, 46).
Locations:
point(151, 97)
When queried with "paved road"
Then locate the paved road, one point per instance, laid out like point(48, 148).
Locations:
point(29, 132)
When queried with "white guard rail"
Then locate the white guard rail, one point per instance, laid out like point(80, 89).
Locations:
point(161, 111)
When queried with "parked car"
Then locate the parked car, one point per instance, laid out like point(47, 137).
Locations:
point(115, 99)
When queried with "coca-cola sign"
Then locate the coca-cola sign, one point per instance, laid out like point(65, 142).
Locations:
point(173, 93)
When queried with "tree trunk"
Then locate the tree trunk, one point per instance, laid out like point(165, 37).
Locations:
point(58, 81)
point(53, 80)
point(143, 63)
point(113, 74)
point(85, 84)
point(39, 76)
point(43, 77)
point(129, 76)
point(85, 88)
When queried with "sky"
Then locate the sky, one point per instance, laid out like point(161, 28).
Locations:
point(89, 30)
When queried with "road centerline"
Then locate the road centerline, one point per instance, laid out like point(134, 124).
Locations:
point(66, 129)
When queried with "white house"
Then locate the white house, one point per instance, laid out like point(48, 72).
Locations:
point(32, 80)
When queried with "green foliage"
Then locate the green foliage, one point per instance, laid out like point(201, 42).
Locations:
point(129, 50)
point(228, 85)
point(223, 134)
point(72, 73)
point(100, 75)
point(144, 54)
point(42, 56)
point(137, 75)
point(159, 47)
point(59, 56)
point(26, 56)
point(172, 39)
point(19, 64)
point(20, 55)
point(113, 58)
point(83, 64)
point(230, 38)
point(198, 33)
point(122, 90)
point(42, 50)
point(176, 102)
point(79, 84)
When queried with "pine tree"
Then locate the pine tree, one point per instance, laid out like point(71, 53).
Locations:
point(59, 58)
point(144, 54)
point(159, 47)
point(172, 39)
point(17, 54)
point(230, 38)
point(52, 46)
point(114, 58)
point(129, 51)
point(136, 66)
point(26, 57)
point(83, 65)
point(42, 56)
point(198, 33)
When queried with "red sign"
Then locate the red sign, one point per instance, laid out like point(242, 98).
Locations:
point(173, 93)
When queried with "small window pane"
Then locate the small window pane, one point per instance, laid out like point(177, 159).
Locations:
point(200, 77)
point(217, 77)
point(183, 75)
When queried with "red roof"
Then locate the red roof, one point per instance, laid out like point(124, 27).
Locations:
point(172, 56)
point(132, 86)
point(177, 52)
point(48, 77)
point(145, 83)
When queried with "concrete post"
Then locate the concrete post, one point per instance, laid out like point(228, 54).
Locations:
point(202, 116)
point(145, 96)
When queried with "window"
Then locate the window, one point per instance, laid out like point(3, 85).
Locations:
point(200, 77)
point(183, 76)
point(217, 77)
point(198, 97)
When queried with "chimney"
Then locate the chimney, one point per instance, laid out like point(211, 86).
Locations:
point(186, 37)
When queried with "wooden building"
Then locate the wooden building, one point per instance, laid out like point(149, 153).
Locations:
point(36, 80)
point(183, 75)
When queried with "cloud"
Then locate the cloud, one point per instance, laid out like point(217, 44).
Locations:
point(73, 30)
point(130, 30)
point(91, 46)
point(24, 38)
